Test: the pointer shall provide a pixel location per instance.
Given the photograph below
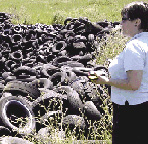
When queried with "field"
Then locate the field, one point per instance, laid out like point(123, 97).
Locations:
point(49, 12)
point(56, 11)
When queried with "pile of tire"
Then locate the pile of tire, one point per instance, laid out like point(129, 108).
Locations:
point(45, 67)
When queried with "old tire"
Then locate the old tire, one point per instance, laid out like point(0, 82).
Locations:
point(91, 112)
point(4, 131)
point(22, 88)
point(14, 108)
point(13, 140)
point(73, 121)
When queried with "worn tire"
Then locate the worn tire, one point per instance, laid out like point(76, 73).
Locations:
point(25, 69)
point(4, 131)
point(81, 71)
point(42, 83)
point(59, 46)
point(58, 78)
point(48, 98)
point(13, 140)
point(73, 121)
point(91, 112)
point(48, 69)
point(23, 88)
point(75, 105)
point(16, 107)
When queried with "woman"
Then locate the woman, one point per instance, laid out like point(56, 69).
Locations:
point(129, 79)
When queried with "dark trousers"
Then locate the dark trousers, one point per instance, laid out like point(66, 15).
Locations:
point(130, 124)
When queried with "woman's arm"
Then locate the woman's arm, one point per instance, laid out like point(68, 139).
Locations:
point(133, 81)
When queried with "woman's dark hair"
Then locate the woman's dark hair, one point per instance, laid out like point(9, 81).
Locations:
point(136, 10)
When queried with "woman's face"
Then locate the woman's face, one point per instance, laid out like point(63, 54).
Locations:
point(129, 27)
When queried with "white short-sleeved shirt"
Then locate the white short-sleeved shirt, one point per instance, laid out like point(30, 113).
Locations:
point(133, 57)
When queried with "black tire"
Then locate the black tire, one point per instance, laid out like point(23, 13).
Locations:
point(2, 86)
point(25, 69)
point(75, 105)
point(59, 46)
point(71, 64)
point(6, 74)
point(60, 59)
point(73, 121)
point(92, 91)
point(14, 140)
point(86, 58)
point(70, 76)
point(23, 88)
point(78, 86)
point(56, 115)
point(10, 78)
point(16, 56)
point(67, 19)
point(4, 131)
point(27, 79)
point(49, 99)
point(91, 112)
point(43, 83)
point(16, 38)
point(59, 78)
point(100, 67)
point(14, 108)
point(48, 69)
point(9, 65)
point(79, 45)
point(81, 71)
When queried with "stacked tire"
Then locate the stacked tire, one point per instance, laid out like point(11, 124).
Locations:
point(44, 72)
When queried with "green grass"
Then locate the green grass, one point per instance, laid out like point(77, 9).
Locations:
point(56, 11)
point(114, 44)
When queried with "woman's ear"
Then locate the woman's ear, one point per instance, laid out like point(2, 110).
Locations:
point(138, 22)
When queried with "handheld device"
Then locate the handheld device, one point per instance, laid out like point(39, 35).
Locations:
point(92, 76)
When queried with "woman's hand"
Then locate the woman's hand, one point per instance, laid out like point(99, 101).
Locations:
point(100, 77)
point(133, 81)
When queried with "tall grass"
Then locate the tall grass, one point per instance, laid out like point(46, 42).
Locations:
point(51, 11)
point(110, 47)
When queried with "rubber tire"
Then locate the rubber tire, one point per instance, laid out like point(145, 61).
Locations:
point(67, 19)
point(71, 64)
point(43, 83)
point(46, 97)
point(8, 65)
point(16, 56)
point(48, 69)
point(8, 106)
point(54, 114)
point(25, 69)
point(73, 121)
point(91, 112)
point(78, 86)
point(59, 46)
point(4, 131)
point(81, 71)
point(58, 78)
point(60, 59)
point(22, 87)
point(14, 140)
point(75, 105)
